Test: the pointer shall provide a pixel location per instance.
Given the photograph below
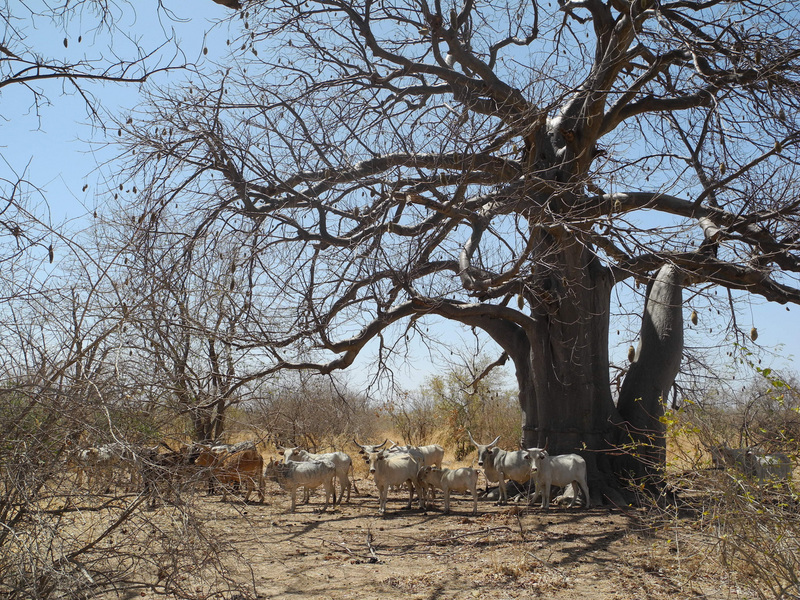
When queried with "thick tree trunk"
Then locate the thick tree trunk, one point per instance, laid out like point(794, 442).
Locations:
point(565, 392)
point(651, 375)
point(569, 357)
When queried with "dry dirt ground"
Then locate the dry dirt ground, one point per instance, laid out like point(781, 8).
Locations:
point(504, 552)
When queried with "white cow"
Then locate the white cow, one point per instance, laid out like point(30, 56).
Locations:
point(310, 474)
point(486, 460)
point(366, 449)
point(389, 469)
point(464, 479)
point(776, 466)
point(560, 471)
point(432, 455)
point(512, 465)
point(499, 465)
point(342, 461)
point(96, 464)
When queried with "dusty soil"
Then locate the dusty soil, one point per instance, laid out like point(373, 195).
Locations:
point(502, 553)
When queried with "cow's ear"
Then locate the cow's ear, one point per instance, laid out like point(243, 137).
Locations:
point(542, 455)
point(280, 452)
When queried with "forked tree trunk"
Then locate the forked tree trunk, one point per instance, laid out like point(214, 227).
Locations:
point(652, 373)
point(561, 362)
point(563, 378)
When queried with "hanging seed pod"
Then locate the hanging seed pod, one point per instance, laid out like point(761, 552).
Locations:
point(66, 42)
point(50, 255)
point(754, 334)
point(520, 302)
point(631, 353)
point(694, 317)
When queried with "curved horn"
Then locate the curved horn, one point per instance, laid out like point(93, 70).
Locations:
point(494, 442)
point(472, 439)
point(381, 445)
point(546, 442)
point(359, 445)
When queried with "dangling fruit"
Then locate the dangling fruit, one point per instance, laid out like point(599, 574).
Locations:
point(631, 353)
point(694, 317)
point(754, 334)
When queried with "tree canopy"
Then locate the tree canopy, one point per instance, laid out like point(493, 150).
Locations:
point(500, 165)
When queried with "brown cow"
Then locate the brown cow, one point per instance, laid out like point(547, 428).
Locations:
point(243, 469)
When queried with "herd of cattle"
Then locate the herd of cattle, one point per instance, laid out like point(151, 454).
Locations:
point(240, 467)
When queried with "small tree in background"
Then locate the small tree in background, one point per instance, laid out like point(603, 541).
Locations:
point(473, 397)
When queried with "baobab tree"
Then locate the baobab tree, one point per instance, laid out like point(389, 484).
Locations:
point(503, 166)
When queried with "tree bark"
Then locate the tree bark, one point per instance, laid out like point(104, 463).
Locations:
point(651, 375)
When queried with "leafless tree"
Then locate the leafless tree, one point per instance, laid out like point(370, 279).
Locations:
point(504, 166)
point(61, 321)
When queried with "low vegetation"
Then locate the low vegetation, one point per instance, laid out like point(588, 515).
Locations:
point(63, 540)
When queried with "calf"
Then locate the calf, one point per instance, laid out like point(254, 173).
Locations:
point(309, 474)
point(388, 469)
point(464, 479)
point(430, 455)
point(559, 471)
point(341, 460)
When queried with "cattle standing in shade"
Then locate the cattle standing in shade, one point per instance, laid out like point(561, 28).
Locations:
point(560, 471)
point(486, 460)
point(464, 479)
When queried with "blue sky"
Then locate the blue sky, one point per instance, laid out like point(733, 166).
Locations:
point(60, 153)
